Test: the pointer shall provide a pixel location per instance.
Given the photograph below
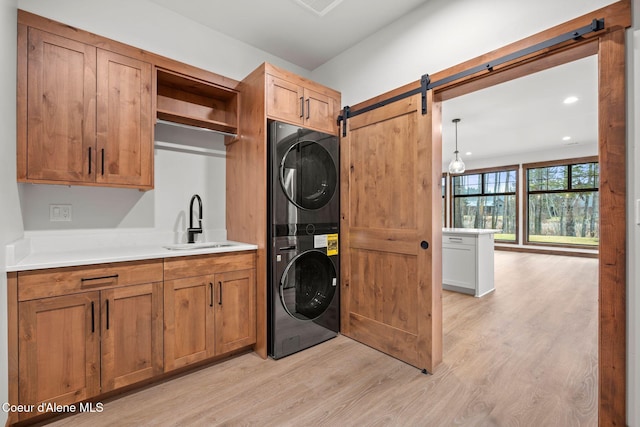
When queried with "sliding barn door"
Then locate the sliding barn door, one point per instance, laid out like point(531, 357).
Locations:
point(391, 231)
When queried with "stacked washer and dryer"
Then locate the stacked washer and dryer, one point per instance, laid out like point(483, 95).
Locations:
point(304, 214)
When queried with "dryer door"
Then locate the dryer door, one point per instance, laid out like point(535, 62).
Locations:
point(308, 285)
point(308, 175)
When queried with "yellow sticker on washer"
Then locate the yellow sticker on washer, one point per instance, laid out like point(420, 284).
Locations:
point(332, 244)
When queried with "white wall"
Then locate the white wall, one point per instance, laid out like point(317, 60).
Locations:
point(443, 33)
point(186, 163)
point(10, 219)
point(438, 35)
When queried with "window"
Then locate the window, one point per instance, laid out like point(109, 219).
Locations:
point(487, 199)
point(562, 203)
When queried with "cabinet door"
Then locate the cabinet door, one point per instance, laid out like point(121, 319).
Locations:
point(124, 143)
point(459, 266)
point(61, 109)
point(235, 310)
point(319, 111)
point(59, 349)
point(285, 100)
point(131, 320)
point(188, 317)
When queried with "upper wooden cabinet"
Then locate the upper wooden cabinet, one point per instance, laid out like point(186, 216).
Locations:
point(124, 148)
point(87, 114)
point(87, 105)
point(60, 128)
point(295, 100)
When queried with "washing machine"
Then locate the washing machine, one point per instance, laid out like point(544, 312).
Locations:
point(303, 180)
point(304, 295)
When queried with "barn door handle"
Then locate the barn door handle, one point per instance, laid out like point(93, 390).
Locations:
point(424, 244)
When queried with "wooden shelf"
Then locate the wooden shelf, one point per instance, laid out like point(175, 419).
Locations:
point(196, 122)
point(189, 101)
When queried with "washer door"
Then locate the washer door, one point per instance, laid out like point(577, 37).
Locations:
point(308, 285)
point(308, 175)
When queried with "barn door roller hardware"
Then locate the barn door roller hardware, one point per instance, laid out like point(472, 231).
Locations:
point(426, 83)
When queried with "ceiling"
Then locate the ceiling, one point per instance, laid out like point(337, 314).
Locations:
point(292, 31)
point(525, 115)
point(521, 116)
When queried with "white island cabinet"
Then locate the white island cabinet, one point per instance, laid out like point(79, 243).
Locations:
point(467, 260)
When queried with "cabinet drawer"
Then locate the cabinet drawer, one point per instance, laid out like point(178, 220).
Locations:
point(458, 240)
point(200, 265)
point(68, 280)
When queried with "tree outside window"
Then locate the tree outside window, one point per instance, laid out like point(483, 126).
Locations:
point(487, 199)
point(562, 203)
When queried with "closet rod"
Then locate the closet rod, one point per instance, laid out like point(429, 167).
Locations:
point(198, 128)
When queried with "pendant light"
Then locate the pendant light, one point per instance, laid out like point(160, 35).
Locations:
point(457, 165)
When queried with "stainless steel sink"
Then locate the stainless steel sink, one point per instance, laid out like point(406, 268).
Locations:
point(193, 246)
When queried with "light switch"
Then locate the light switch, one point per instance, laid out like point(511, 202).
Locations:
point(59, 212)
point(638, 212)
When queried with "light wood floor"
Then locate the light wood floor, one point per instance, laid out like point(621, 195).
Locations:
point(525, 355)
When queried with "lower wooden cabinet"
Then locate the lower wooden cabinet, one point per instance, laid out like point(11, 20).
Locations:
point(208, 315)
point(59, 349)
point(131, 329)
point(76, 346)
point(83, 331)
point(235, 317)
point(189, 315)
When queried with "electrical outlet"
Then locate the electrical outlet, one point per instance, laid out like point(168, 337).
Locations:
point(59, 212)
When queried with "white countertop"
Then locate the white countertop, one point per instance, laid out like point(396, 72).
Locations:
point(472, 231)
point(35, 254)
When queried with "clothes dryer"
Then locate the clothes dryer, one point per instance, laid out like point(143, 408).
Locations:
point(303, 180)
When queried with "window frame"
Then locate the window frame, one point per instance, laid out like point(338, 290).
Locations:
point(562, 162)
point(482, 171)
point(445, 208)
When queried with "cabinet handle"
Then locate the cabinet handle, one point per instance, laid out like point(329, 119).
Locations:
point(455, 239)
point(219, 293)
point(86, 279)
point(93, 317)
point(308, 109)
point(107, 315)
point(301, 107)
point(102, 161)
point(211, 294)
point(89, 160)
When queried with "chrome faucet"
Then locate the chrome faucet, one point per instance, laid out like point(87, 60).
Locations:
point(193, 231)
